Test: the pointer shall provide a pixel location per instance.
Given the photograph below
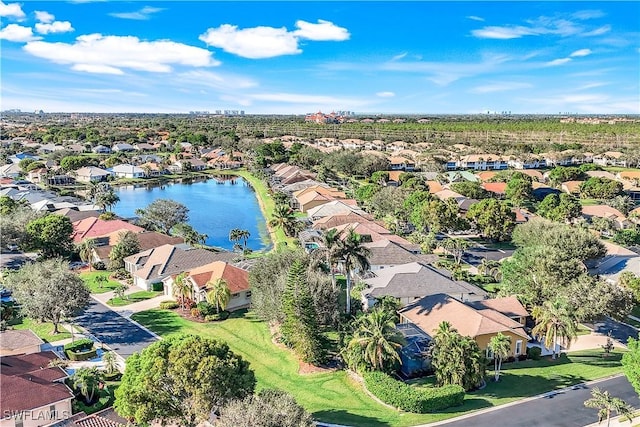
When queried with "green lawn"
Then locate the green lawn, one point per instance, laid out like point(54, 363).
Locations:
point(334, 397)
point(131, 298)
point(43, 330)
point(107, 397)
point(96, 287)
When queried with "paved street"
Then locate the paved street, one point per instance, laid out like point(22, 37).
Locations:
point(562, 410)
point(619, 331)
point(119, 333)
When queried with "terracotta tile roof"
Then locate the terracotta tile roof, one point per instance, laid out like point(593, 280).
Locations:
point(320, 189)
point(395, 175)
point(533, 174)
point(428, 312)
point(28, 382)
point(448, 194)
point(92, 227)
point(434, 187)
point(105, 418)
point(495, 187)
point(146, 239)
point(237, 279)
point(629, 175)
point(603, 211)
point(332, 221)
point(572, 186)
point(13, 339)
point(486, 176)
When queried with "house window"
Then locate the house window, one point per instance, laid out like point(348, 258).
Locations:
point(234, 296)
point(489, 353)
point(248, 294)
point(518, 347)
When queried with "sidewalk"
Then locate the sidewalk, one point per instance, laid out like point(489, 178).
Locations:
point(129, 309)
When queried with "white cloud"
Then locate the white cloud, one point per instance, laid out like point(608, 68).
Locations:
point(500, 87)
point(542, 25)
point(268, 42)
point(322, 31)
point(598, 31)
point(45, 17)
point(581, 52)
point(385, 94)
point(475, 18)
point(11, 10)
point(399, 56)
point(95, 53)
point(588, 14)
point(17, 33)
point(253, 43)
point(140, 15)
point(557, 62)
point(54, 27)
point(218, 81)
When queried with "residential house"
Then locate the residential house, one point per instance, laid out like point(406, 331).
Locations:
point(509, 306)
point(75, 148)
point(50, 148)
point(91, 174)
point(632, 176)
point(459, 176)
point(401, 163)
point(146, 239)
point(618, 219)
point(415, 280)
point(143, 146)
point(21, 156)
point(101, 149)
point(19, 341)
point(152, 169)
point(373, 232)
point(332, 221)
point(34, 390)
point(385, 253)
point(610, 158)
point(601, 174)
point(92, 227)
point(481, 324)
point(122, 147)
point(201, 278)
point(333, 208)
point(301, 185)
point(74, 214)
point(529, 161)
point(486, 175)
point(571, 187)
point(11, 170)
point(482, 162)
point(311, 197)
point(154, 265)
point(498, 189)
point(127, 171)
point(186, 165)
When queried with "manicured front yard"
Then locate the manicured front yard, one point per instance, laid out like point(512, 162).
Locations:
point(96, 287)
point(334, 397)
point(107, 397)
point(43, 330)
point(134, 297)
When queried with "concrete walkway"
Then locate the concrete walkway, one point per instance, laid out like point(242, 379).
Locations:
point(136, 307)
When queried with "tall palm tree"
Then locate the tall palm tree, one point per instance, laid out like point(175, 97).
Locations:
point(182, 288)
point(554, 322)
point(244, 236)
point(283, 217)
point(353, 254)
point(329, 252)
point(218, 294)
point(235, 235)
point(607, 404)
point(500, 345)
point(378, 340)
point(85, 250)
point(87, 380)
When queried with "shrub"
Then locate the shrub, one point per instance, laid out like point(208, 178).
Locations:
point(78, 356)
point(114, 376)
point(522, 357)
point(107, 216)
point(534, 353)
point(412, 399)
point(121, 274)
point(223, 315)
point(79, 345)
point(205, 308)
point(156, 287)
point(169, 305)
point(195, 312)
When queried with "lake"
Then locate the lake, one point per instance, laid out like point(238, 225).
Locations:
point(215, 207)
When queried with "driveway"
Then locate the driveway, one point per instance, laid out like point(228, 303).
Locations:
point(565, 409)
point(15, 260)
point(122, 335)
point(619, 331)
point(476, 254)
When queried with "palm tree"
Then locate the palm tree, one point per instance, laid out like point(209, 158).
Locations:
point(554, 322)
point(219, 294)
point(328, 253)
point(85, 250)
point(377, 339)
point(607, 404)
point(283, 217)
point(182, 288)
point(110, 362)
point(235, 235)
point(352, 253)
point(107, 199)
point(500, 345)
point(244, 236)
point(446, 355)
point(87, 380)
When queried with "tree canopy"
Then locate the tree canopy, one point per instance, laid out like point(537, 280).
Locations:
point(493, 218)
point(182, 379)
point(269, 408)
point(51, 234)
point(163, 214)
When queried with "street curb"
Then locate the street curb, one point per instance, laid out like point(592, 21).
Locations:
point(517, 402)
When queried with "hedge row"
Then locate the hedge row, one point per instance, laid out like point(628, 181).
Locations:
point(79, 345)
point(169, 305)
point(412, 399)
point(78, 356)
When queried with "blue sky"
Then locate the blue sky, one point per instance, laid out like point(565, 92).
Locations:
point(299, 57)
